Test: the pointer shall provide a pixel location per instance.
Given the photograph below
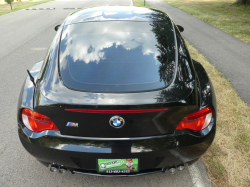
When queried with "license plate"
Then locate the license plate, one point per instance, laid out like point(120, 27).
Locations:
point(121, 166)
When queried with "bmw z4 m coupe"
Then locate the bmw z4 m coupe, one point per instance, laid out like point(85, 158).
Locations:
point(117, 95)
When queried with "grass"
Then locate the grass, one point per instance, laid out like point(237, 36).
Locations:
point(140, 3)
point(223, 14)
point(228, 159)
point(5, 8)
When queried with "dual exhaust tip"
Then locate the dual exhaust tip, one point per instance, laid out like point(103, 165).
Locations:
point(174, 169)
point(56, 168)
point(63, 170)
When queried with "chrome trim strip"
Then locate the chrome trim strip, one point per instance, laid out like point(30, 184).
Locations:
point(35, 135)
point(101, 175)
point(108, 139)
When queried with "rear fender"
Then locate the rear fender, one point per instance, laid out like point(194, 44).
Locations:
point(206, 91)
point(26, 96)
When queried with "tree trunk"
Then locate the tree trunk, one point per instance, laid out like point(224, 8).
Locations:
point(242, 2)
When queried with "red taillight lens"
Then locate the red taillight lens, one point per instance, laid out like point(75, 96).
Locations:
point(37, 122)
point(196, 121)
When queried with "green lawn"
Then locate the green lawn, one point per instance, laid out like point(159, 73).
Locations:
point(233, 19)
point(227, 160)
point(140, 3)
point(5, 8)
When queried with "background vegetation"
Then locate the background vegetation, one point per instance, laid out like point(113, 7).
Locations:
point(5, 8)
point(8, 1)
point(141, 3)
point(226, 15)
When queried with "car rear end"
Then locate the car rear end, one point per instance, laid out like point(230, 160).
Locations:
point(118, 98)
point(151, 146)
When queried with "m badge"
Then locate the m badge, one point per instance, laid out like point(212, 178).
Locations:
point(71, 124)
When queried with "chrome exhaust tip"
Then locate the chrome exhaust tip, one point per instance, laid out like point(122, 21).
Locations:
point(181, 167)
point(172, 170)
point(54, 168)
point(62, 170)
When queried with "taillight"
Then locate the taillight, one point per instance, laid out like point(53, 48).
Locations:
point(196, 121)
point(37, 122)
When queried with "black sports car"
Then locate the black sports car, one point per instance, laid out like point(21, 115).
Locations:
point(118, 95)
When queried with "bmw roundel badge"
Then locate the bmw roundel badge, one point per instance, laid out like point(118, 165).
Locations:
point(116, 122)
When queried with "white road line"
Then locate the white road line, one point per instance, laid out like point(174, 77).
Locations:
point(193, 169)
point(131, 4)
point(195, 175)
point(39, 8)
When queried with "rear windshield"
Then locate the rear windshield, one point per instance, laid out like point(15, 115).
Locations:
point(117, 56)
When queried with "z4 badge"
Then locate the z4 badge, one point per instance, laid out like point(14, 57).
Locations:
point(71, 124)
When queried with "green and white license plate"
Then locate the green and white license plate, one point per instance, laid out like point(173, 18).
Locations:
point(121, 166)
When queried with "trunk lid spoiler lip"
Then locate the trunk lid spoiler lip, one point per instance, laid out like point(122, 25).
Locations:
point(59, 94)
point(117, 111)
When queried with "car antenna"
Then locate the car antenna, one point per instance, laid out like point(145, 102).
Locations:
point(31, 78)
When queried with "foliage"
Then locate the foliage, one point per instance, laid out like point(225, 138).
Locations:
point(8, 1)
point(243, 2)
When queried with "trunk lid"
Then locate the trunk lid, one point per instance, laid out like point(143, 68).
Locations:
point(145, 114)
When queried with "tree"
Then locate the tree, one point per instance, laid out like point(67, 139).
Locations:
point(9, 2)
point(242, 2)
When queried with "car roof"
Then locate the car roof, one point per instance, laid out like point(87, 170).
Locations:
point(115, 13)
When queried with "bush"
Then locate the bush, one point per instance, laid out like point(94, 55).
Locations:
point(8, 1)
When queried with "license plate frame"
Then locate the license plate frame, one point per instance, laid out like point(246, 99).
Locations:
point(118, 166)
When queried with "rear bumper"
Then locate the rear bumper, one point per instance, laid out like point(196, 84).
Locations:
point(80, 155)
point(94, 173)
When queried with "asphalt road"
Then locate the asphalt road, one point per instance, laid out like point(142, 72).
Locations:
point(228, 54)
point(24, 39)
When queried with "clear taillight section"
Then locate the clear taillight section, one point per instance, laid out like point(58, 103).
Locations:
point(196, 121)
point(37, 122)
